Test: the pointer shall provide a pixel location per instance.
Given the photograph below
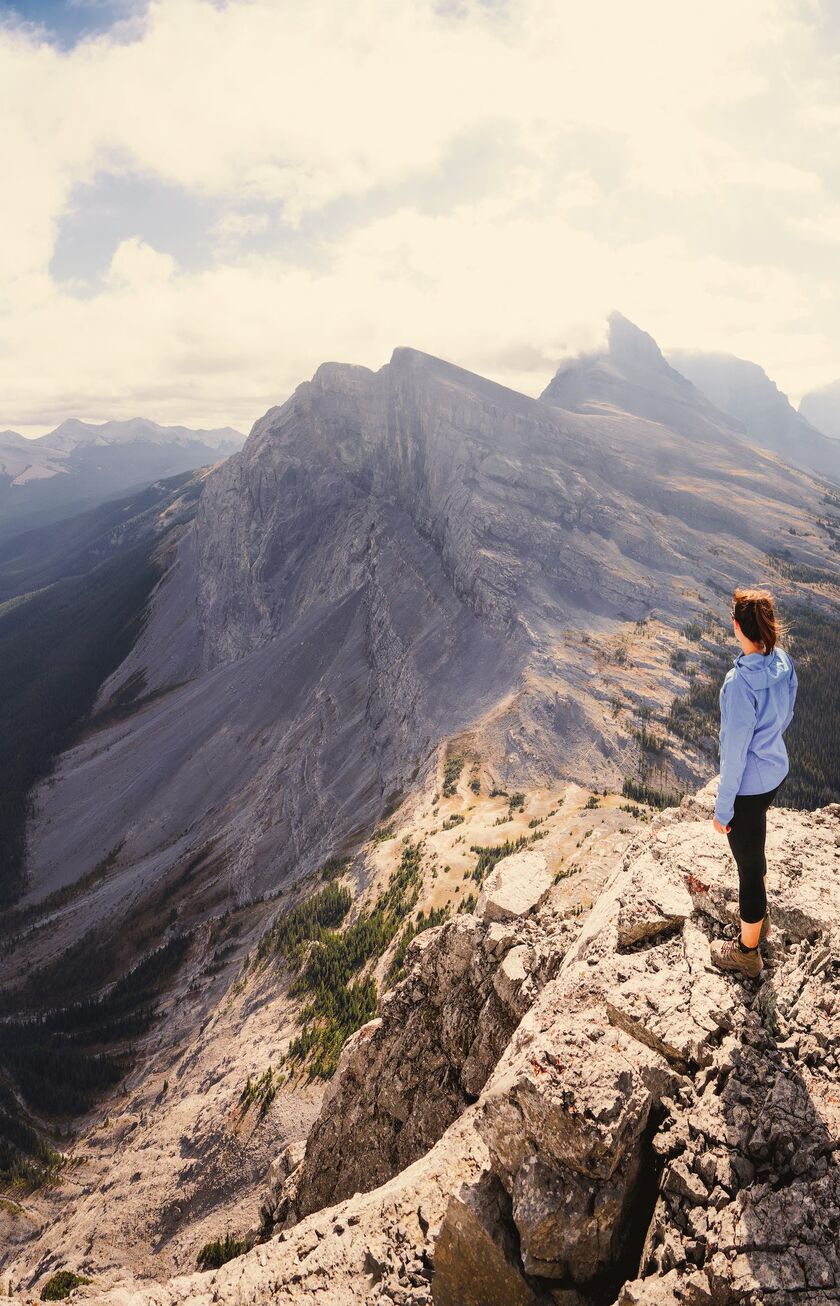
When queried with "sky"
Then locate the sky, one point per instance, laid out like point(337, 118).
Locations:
point(204, 200)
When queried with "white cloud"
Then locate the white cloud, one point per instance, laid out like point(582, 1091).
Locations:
point(137, 266)
point(822, 226)
point(235, 226)
point(665, 161)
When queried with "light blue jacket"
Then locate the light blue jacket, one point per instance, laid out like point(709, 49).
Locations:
point(756, 706)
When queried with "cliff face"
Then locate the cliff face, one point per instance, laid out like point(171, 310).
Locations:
point(653, 1131)
point(397, 557)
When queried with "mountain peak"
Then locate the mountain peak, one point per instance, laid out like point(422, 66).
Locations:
point(408, 354)
point(630, 346)
point(633, 376)
point(13, 438)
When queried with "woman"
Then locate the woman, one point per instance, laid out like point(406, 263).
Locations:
point(756, 706)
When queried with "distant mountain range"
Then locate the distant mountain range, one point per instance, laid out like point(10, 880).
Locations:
point(746, 394)
point(822, 408)
point(81, 464)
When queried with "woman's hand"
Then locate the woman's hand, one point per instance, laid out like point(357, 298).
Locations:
point(721, 829)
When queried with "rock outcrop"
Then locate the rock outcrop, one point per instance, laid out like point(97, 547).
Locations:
point(655, 1131)
point(405, 1076)
point(639, 1022)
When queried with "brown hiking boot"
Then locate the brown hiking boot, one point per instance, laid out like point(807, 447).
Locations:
point(727, 954)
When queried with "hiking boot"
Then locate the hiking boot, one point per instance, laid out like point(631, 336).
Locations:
point(727, 954)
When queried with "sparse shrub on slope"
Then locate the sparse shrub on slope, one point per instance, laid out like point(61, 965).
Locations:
point(218, 1252)
point(452, 769)
point(339, 1003)
point(645, 793)
point(311, 919)
point(61, 1285)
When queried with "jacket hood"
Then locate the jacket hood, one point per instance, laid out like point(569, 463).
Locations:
point(762, 670)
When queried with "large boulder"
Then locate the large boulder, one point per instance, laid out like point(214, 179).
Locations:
point(515, 887)
point(476, 1256)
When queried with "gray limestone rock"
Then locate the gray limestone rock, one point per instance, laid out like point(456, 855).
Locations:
point(476, 1258)
point(514, 888)
point(633, 1062)
point(404, 1077)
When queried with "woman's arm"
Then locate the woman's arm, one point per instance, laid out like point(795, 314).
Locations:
point(793, 687)
point(737, 723)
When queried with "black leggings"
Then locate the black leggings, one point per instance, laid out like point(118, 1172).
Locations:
point(747, 834)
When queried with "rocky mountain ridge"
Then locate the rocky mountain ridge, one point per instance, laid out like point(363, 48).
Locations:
point(427, 534)
point(647, 1133)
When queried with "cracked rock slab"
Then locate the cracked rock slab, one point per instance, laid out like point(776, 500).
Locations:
point(515, 887)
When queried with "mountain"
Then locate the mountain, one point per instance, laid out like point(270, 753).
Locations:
point(72, 434)
point(822, 409)
point(393, 556)
point(419, 623)
point(746, 394)
point(632, 376)
point(80, 464)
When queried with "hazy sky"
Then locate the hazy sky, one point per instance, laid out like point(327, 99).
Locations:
point(202, 201)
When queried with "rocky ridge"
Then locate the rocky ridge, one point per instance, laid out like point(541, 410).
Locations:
point(395, 557)
point(400, 566)
point(653, 1131)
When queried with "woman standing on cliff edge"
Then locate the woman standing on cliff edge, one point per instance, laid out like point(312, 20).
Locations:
point(756, 707)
